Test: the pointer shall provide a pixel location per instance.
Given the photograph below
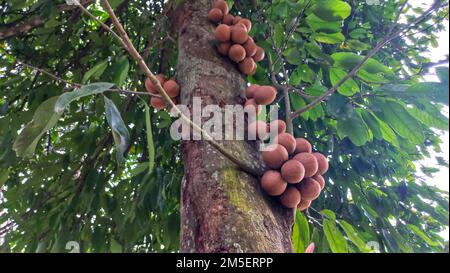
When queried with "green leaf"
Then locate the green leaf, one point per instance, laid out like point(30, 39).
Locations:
point(150, 143)
point(357, 45)
point(96, 71)
point(116, 247)
point(118, 127)
point(120, 70)
point(335, 239)
point(354, 127)
point(44, 119)
point(4, 175)
point(319, 25)
point(422, 235)
point(348, 60)
point(348, 88)
point(332, 10)
point(87, 90)
point(442, 73)
point(301, 233)
point(353, 236)
point(379, 128)
point(333, 38)
point(427, 119)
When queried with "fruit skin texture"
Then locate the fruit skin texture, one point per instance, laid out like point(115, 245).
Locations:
point(224, 48)
point(250, 48)
point(309, 162)
point(265, 95)
point(151, 87)
point(157, 103)
point(260, 54)
point(215, 15)
point(258, 129)
point(254, 107)
point(291, 198)
point(280, 125)
point(304, 204)
point(247, 23)
point(223, 33)
point(222, 5)
point(320, 180)
point(239, 35)
point(247, 65)
point(273, 184)
point(228, 19)
point(288, 141)
point(323, 163)
point(236, 19)
point(251, 90)
point(293, 171)
point(310, 189)
point(172, 88)
point(275, 157)
point(303, 146)
point(236, 53)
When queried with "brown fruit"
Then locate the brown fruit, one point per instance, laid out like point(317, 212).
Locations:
point(273, 184)
point(280, 126)
point(309, 162)
point(151, 87)
point(251, 90)
point(323, 163)
point(247, 23)
point(241, 25)
point(239, 34)
point(247, 65)
point(293, 171)
point(223, 33)
point(228, 19)
point(260, 54)
point(222, 5)
point(252, 106)
point(265, 95)
point(291, 198)
point(275, 156)
point(320, 180)
point(157, 103)
point(236, 19)
point(172, 88)
point(215, 15)
point(250, 48)
point(224, 48)
point(304, 204)
point(258, 129)
point(287, 140)
point(255, 69)
point(236, 53)
point(303, 146)
point(310, 189)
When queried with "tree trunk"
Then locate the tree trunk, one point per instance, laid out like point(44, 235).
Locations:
point(223, 209)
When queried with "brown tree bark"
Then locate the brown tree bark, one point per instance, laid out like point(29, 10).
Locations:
point(223, 208)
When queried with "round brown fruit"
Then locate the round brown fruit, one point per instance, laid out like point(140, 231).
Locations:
point(279, 125)
point(323, 163)
point(222, 5)
point(247, 23)
point(265, 95)
point(228, 19)
point(303, 146)
point(310, 189)
point(215, 15)
point(255, 69)
point(260, 54)
point(251, 90)
point(224, 48)
point(250, 48)
point(239, 34)
point(291, 198)
point(172, 88)
point(157, 103)
point(236, 53)
point(223, 33)
point(258, 129)
point(309, 162)
point(304, 204)
point(236, 19)
point(287, 140)
point(151, 87)
point(320, 180)
point(247, 65)
point(273, 184)
point(275, 156)
point(293, 171)
point(252, 106)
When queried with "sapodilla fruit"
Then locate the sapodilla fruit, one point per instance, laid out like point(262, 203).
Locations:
point(151, 87)
point(260, 54)
point(257, 129)
point(228, 19)
point(239, 34)
point(279, 125)
point(273, 184)
point(236, 19)
point(304, 204)
point(250, 48)
point(172, 88)
point(310, 189)
point(293, 171)
point(224, 48)
point(251, 90)
point(157, 103)
point(275, 156)
point(222, 5)
point(309, 162)
point(323, 163)
point(291, 198)
point(215, 15)
point(320, 180)
point(247, 23)
point(303, 146)
point(287, 140)
point(252, 106)
point(223, 33)
point(265, 95)
point(236, 53)
point(255, 69)
point(247, 65)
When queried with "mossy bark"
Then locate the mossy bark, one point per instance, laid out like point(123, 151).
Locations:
point(223, 208)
